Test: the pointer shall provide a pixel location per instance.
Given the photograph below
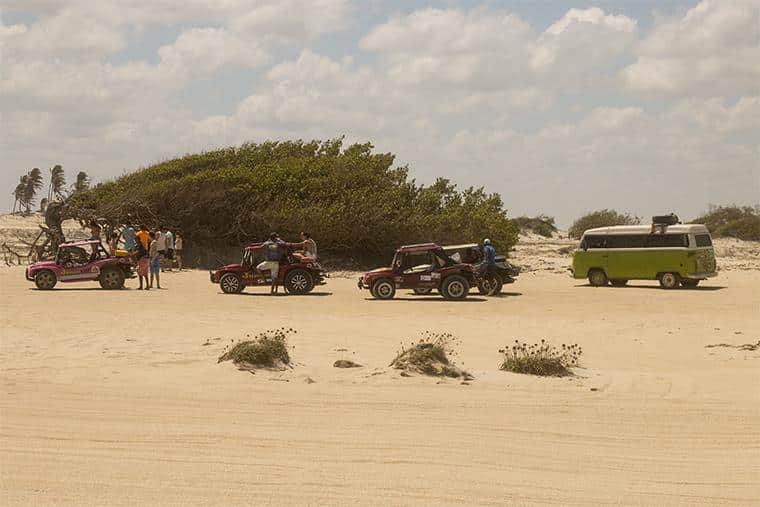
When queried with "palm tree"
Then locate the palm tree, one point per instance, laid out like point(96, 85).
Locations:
point(18, 193)
point(33, 184)
point(82, 183)
point(57, 182)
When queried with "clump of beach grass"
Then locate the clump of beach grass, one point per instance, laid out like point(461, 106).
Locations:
point(268, 349)
point(541, 359)
point(430, 355)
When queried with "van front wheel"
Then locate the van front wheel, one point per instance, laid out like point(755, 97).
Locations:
point(670, 280)
point(597, 278)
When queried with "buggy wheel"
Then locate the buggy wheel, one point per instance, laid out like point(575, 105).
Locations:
point(111, 278)
point(670, 280)
point(230, 283)
point(299, 281)
point(420, 291)
point(455, 287)
point(45, 280)
point(384, 289)
point(597, 278)
point(689, 283)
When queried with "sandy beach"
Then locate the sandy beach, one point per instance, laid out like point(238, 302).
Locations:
point(116, 398)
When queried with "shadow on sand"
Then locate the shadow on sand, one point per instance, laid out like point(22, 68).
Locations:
point(430, 299)
point(279, 294)
point(703, 288)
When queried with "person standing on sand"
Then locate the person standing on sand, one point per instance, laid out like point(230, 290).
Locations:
point(129, 235)
point(273, 249)
point(140, 256)
point(169, 249)
point(144, 236)
point(155, 261)
point(178, 250)
point(161, 242)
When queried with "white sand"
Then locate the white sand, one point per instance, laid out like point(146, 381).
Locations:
point(112, 398)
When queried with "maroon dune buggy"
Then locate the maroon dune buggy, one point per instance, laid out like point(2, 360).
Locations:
point(422, 268)
point(298, 274)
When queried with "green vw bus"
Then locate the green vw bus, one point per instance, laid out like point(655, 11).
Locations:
point(676, 255)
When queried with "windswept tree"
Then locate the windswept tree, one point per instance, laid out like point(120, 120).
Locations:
point(82, 183)
point(18, 193)
point(33, 185)
point(57, 183)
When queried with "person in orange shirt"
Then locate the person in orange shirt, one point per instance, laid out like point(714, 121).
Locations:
point(144, 236)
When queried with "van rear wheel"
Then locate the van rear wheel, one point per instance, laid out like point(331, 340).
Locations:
point(689, 284)
point(597, 278)
point(670, 280)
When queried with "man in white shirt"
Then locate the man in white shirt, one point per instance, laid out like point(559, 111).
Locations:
point(161, 245)
point(169, 249)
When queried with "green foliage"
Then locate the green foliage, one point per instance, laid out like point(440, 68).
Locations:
point(540, 358)
point(742, 222)
point(268, 349)
point(541, 224)
point(601, 218)
point(82, 182)
point(352, 201)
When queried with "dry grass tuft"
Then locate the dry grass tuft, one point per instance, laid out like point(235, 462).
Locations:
point(541, 358)
point(268, 349)
point(430, 356)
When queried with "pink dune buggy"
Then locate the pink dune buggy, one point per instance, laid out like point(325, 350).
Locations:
point(81, 261)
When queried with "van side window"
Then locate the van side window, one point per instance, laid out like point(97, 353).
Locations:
point(627, 241)
point(593, 242)
point(668, 240)
point(703, 240)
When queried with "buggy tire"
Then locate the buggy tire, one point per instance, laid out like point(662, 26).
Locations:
point(230, 283)
point(299, 281)
point(670, 280)
point(384, 289)
point(597, 278)
point(689, 283)
point(45, 280)
point(619, 283)
point(455, 287)
point(111, 278)
point(420, 291)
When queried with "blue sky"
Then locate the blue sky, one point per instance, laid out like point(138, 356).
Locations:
point(560, 106)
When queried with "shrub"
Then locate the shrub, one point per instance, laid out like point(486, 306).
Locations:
point(268, 349)
point(353, 201)
point(742, 222)
point(430, 356)
point(540, 358)
point(541, 224)
point(601, 218)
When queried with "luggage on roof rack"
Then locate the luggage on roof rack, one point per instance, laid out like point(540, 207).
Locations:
point(671, 219)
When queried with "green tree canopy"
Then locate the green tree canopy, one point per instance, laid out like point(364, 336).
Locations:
point(352, 200)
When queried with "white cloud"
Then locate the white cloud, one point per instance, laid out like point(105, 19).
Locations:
point(713, 50)
point(547, 118)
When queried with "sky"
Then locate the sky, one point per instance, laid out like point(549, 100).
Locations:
point(562, 107)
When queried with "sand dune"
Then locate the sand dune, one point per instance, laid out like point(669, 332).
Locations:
point(116, 398)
